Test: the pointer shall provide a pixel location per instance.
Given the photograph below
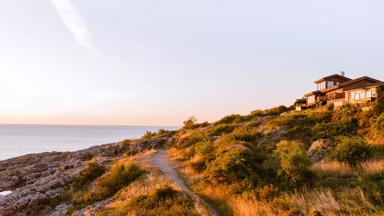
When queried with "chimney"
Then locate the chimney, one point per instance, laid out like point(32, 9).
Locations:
point(342, 73)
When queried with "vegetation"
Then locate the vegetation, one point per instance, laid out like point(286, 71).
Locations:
point(379, 105)
point(92, 171)
point(259, 162)
point(164, 201)
point(351, 150)
point(117, 177)
point(256, 164)
point(294, 161)
point(153, 194)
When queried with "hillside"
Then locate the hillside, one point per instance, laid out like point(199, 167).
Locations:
point(322, 161)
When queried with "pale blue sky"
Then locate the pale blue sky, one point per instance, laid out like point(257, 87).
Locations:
point(150, 62)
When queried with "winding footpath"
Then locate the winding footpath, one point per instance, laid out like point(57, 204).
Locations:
point(160, 160)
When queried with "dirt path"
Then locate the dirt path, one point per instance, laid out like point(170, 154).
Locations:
point(160, 160)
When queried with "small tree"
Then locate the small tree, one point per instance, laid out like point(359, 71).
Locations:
point(351, 150)
point(190, 123)
point(379, 105)
point(294, 161)
point(378, 127)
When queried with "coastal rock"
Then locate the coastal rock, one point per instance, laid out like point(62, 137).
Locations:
point(39, 181)
point(320, 149)
point(92, 209)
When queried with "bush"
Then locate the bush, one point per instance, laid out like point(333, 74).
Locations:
point(350, 150)
point(270, 112)
point(221, 129)
point(204, 148)
point(379, 104)
point(192, 140)
point(297, 126)
point(333, 129)
point(346, 113)
point(235, 118)
point(378, 127)
point(294, 161)
point(243, 134)
point(92, 171)
point(232, 166)
point(148, 134)
point(191, 123)
point(163, 201)
point(229, 119)
point(373, 186)
point(119, 176)
point(266, 193)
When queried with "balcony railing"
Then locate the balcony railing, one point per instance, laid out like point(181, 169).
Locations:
point(336, 96)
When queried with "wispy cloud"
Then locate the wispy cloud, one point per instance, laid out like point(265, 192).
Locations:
point(75, 23)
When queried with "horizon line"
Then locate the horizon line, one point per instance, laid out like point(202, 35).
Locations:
point(101, 125)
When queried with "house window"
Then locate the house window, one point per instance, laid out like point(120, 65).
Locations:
point(362, 95)
point(311, 99)
point(356, 96)
point(330, 84)
point(369, 94)
point(374, 93)
point(321, 86)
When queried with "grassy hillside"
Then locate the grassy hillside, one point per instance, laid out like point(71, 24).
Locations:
point(322, 161)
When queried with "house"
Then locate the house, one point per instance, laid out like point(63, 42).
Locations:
point(340, 90)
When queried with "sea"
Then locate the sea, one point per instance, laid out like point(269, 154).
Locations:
point(17, 140)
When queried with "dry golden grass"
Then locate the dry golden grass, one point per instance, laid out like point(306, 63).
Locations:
point(325, 201)
point(373, 166)
point(350, 202)
point(145, 186)
point(332, 167)
point(343, 169)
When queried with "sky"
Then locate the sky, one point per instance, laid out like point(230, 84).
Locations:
point(150, 62)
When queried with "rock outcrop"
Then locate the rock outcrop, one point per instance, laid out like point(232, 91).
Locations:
point(39, 181)
point(319, 150)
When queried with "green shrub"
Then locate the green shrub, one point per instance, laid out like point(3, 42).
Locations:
point(192, 140)
point(244, 134)
point(163, 201)
point(270, 112)
point(373, 187)
point(333, 129)
point(229, 119)
point(221, 129)
point(162, 133)
point(232, 166)
point(294, 161)
point(148, 134)
point(92, 171)
point(266, 193)
point(199, 166)
point(350, 150)
point(379, 103)
point(191, 123)
point(296, 127)
point(346, 113)
point(331, 107)
point(378, 127)
point(204, 148)
point(118, 177)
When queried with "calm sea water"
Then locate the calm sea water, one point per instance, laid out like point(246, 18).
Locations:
point(16, 140)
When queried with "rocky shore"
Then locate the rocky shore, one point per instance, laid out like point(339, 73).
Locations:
point(39, 181)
